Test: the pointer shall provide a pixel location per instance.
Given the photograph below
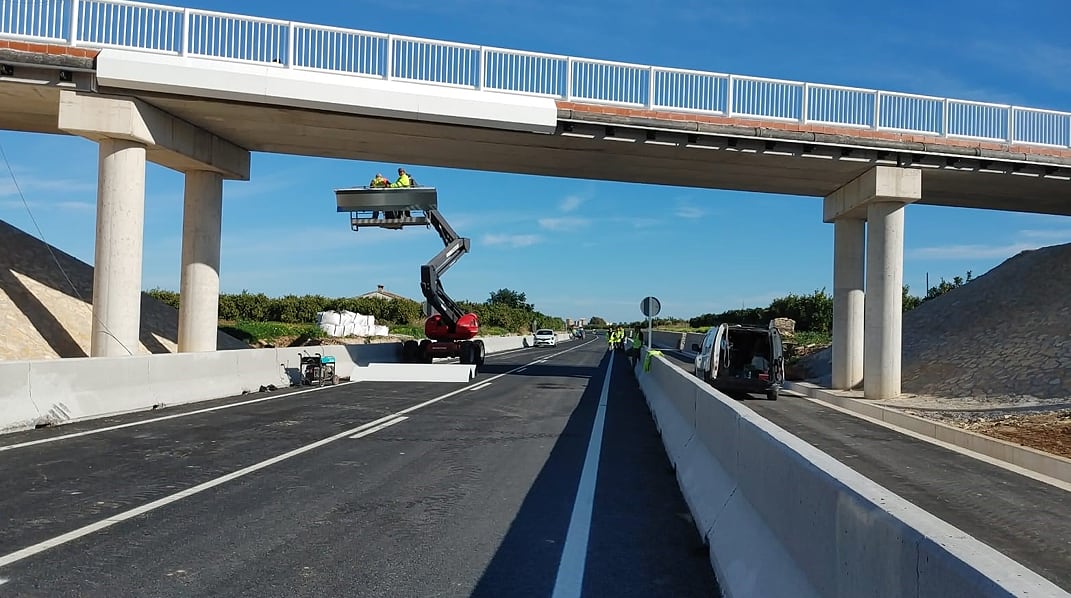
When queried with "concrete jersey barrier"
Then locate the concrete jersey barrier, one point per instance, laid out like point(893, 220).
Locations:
point(782, 518)
point(57, 391)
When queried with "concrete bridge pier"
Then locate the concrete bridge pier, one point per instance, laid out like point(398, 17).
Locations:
point(118, 250)
point(129, 132)
point(878, 195)
point(849, 235)
point(202, 218)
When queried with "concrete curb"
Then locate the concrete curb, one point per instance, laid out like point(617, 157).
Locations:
point(1039, 462)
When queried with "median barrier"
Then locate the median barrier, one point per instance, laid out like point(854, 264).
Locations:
point(170, 377)
point(17, 409)
point(259, 367)
point(782, 518)
point(82, 387)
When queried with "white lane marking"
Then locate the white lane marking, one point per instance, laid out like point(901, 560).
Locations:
point(375, 429)
point(12, 447)
point(3, 580)
point(479, 386)
point(29, 551)
point(570, 578)
point(522, 369)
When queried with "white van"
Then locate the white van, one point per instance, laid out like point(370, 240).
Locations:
point(734, 357)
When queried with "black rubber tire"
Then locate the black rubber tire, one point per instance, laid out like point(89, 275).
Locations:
point(467, 354)
point(424, 353)
point(409, 351)
point(481, 352)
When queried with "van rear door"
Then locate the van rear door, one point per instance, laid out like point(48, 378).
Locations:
point(718, 351)
point(777, 357)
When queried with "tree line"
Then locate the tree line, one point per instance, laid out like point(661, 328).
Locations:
point(505, 309)
point(813, 313)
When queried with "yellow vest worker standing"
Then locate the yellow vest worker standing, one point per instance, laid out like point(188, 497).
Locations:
point(637, 342)
point(379, 181)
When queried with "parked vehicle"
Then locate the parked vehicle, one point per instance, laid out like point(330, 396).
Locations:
point(734, 357)
point(545, 338)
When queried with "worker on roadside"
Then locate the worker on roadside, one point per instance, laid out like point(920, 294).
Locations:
point(634, 351)
point(610, 334)
point(403, 179)
point(379, 181)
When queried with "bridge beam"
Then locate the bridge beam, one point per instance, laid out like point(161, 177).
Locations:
point(202, 219)
point(878, 195)
point(169, 141)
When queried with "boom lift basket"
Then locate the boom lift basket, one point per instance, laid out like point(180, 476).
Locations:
point(393, 207)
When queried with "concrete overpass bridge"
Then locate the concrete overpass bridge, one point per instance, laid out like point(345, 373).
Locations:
point(198, 90)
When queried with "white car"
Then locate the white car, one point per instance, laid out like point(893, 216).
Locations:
point(545, 338)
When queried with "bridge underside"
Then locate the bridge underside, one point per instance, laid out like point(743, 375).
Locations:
point(594, 145)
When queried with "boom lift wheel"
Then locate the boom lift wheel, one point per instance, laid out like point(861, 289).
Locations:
point(410, 349)
point(424, 351)
point(468, 352)
point(481, 352)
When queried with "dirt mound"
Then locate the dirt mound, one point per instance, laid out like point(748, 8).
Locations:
point(42, 316)
point(1004, 334)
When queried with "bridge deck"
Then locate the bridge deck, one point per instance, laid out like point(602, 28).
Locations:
point(617, 144)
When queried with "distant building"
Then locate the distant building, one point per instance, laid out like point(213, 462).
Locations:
point(381, 293)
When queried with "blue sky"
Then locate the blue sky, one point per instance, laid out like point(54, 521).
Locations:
point(580, 248)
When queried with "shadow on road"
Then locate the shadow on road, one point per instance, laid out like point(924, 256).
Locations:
point(642, 541)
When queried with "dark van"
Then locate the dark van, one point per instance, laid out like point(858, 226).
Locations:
point(734, 357)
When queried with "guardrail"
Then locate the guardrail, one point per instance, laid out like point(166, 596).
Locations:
point(288, 44)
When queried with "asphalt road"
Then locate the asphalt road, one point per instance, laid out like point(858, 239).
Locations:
point(1025, 519)
point(297, 495)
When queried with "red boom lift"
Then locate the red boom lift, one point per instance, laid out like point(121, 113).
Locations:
point(450, 331)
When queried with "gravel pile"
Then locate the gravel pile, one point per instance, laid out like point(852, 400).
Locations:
point(1006, 334)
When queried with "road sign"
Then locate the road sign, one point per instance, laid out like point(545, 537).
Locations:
point(650, 306)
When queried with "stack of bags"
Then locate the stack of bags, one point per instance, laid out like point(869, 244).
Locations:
point(348, 323)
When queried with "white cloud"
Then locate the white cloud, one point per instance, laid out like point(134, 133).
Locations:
point(687, 210)
point(1028, 239)
point(571, 203)
point(511, 240)
point(76, 205)
point(963, 252)
point(566, 223)
point(30, 183)
point(1059, 235)
point(643, 222)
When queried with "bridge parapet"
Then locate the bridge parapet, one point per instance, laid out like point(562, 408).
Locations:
point(290, 45)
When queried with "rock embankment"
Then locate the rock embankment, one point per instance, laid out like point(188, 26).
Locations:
point(43, 316)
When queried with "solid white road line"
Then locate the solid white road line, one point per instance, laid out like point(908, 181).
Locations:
point(29, 551)
point(375, 429)
point(570, 580)
point(479, 386)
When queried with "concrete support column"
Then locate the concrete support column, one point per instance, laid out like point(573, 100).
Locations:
point(118, 253)
point(202, 218)
point(883, 317)
point(849, 235)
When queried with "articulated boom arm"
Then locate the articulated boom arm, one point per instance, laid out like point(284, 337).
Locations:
point(430, 284)
point(396, 208)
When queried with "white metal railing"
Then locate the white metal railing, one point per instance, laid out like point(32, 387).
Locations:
point(290, 45)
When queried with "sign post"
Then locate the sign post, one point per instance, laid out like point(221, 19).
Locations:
point(650, 307)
